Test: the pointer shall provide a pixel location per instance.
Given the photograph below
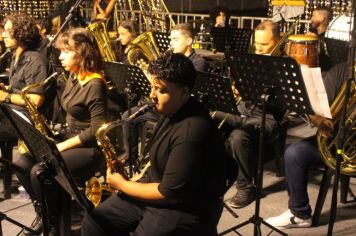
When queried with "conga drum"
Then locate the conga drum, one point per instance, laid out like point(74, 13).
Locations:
point(304, 49)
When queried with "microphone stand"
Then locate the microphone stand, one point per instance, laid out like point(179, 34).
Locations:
point(131, 130)
point(341, 132)
point(66, 21)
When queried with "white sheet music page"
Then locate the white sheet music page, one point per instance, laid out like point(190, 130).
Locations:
point(316, 91)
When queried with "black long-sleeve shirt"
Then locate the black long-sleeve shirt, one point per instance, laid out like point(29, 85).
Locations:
point(85, 106)
point(30, 68)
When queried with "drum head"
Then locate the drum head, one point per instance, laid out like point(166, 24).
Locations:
point(299, 38)
point(340, 28)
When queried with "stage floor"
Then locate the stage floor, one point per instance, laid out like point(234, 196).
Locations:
point(274, 202)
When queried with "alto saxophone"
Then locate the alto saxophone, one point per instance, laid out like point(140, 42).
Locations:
point(94, 189)
point(39, 121)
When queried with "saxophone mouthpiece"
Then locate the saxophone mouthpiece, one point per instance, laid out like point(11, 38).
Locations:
point(51, 76)
point(145, 108)
point(5, 53)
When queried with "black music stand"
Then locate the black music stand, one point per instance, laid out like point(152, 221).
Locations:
point(215, 92)
point(52, 163)
point(231, 39)
point(162, 41)
point(133, 82)
point(262, 80)
point(127, 76)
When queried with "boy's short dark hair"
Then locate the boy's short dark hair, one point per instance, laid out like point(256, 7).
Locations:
point(185, 28)
point(328, 12)
point(175, 68)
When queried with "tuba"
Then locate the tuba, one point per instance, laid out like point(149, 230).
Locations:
point(327, 146)
point(98, 29)
point(94, 188)
point(40, 122)
point(143, 47)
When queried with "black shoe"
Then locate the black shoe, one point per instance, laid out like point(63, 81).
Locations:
point(242, 199)
point(36, 226)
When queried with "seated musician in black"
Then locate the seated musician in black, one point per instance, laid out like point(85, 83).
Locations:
point(219, 18)
point(181, 42)
point(84, 100)
point(181, 192)
point(21, 37)
point(244, 138)
point(127, 33)
point(321, 17)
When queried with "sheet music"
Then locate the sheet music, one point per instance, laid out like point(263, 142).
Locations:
point(316, 91)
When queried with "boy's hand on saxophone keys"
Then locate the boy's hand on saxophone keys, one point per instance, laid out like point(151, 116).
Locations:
point(3, 95)
point(114, 179)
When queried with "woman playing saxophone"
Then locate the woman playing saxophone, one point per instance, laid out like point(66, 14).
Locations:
point(84, 100)
point(21, 37)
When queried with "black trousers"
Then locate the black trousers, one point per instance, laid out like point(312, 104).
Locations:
point(7, 131)
point(120, 215)
point(82, 163)
point(243, 143)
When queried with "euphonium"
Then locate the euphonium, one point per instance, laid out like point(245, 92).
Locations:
point(327, 146)
point(94, 189)
point(100, 34)
point(39, 121)
point(142, 47)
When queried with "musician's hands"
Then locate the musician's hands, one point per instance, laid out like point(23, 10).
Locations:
point(3, 95)
point(60, 147)
point(220, 21)
point(311, 33)
point(325, 126)
point(235, 91)
point(2, 87)
point(114, 179)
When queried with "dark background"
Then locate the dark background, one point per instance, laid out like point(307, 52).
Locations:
point(238, 7)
